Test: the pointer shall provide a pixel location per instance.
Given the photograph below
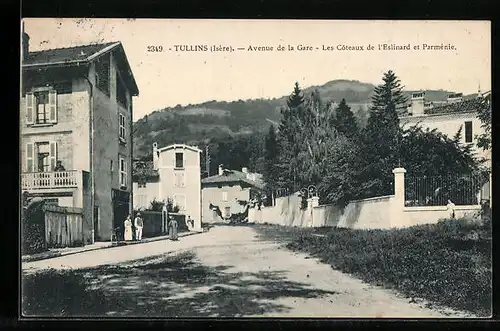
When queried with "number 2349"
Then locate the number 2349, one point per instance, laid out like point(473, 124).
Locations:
point(155, 49)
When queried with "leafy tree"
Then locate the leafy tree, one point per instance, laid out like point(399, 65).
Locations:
point(484, 115)
point(338, 184)
point(426, 152)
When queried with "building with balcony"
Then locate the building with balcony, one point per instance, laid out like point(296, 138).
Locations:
point(76, 141)
point(174, 173)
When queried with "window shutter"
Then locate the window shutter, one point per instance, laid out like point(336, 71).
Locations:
point(30, 154)
point(53, 155)
point(125, 172)
point(30, 98)
point(53, 106)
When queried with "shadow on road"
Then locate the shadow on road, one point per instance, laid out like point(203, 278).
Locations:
point(164, 286)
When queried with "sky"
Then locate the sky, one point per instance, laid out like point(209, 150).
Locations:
point(171, 77)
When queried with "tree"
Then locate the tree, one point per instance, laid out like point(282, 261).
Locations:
point(270, 159)
point(338, 184)
point(430, 153)
point(382, 138)
point(295, 99)
point(484, 115)
point(344, 120)
point(290, 135)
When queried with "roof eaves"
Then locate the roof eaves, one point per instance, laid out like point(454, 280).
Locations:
point(53, 64)
point(103, 51)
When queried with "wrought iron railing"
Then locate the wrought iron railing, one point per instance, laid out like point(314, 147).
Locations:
point(436, 191)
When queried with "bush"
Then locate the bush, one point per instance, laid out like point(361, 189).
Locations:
point(59, 293)
point(33, 228)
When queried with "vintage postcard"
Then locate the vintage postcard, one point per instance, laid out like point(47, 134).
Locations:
point(255, 168)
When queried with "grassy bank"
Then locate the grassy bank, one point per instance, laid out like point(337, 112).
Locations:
point(448, 263)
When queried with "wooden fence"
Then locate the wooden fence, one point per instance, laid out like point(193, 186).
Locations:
point(154, 224)
point(63, 226)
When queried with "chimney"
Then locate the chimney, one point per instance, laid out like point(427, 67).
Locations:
point(221, 170)
point(455, 97)
point(244, 170)
point(25, 43)
point(156, 156)
point(417, 104)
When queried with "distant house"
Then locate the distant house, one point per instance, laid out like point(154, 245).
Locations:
point(175, 173)
point(75, 123)
point(448, 116)
point(229, 190)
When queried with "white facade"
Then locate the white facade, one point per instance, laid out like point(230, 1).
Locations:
point(449, 124)
point(179, 172)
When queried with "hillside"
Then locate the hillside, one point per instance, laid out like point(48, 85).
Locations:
point(194, 124)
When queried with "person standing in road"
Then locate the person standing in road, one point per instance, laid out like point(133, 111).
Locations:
point(172, 229)
point(127, 234)
point(139, 224)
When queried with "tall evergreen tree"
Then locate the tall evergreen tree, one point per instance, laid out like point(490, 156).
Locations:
point(382, 137)
point(344, 120)
point(271, 154)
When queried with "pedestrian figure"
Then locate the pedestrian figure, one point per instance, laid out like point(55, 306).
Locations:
point(59, 166)
point(190, 223)
point(139, 224)
point(451, 209)
point(128, 229)
point(172, 229)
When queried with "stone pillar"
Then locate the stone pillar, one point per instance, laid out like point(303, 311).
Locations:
point(309, 212)
point(399, 198)
point(314, 203)
point(164, 219)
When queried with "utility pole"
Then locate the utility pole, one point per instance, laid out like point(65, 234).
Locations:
point(207, 161)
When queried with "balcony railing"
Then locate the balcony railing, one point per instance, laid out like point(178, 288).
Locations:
point(48, 180)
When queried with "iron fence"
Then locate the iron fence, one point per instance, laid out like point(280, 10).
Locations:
point(436, 191)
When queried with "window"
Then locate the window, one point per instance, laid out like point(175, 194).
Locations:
point(179, 179)
point(41, 107)
point(111, 168)
point(123, 172)
point(141, 184)
point(102, 73)
point(121, 94)
point(468, 132)
point(122, 127)
point(224, 196)
point(41, 157)
point(179, 160)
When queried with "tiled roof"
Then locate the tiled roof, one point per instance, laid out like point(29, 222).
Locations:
point(144, 170)
point(470, 105)
point(69, 54)
point(231, 176)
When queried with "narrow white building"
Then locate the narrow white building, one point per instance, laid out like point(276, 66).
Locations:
point(174, 173)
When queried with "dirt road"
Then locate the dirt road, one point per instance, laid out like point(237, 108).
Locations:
point(229, 272)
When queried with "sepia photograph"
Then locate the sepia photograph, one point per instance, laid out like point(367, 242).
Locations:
point(230, 168)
